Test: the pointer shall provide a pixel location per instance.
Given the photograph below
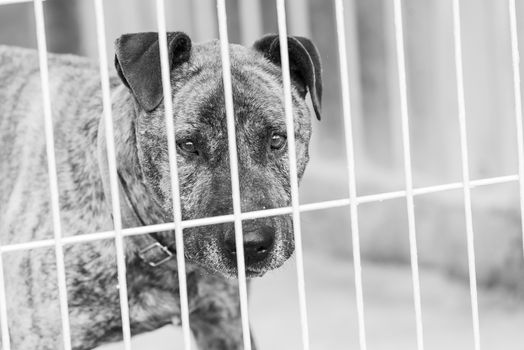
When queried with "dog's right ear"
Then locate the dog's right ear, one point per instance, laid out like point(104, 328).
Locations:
point(137, 61)
point(304, 64)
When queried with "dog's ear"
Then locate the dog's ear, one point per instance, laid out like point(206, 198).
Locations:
point(304, 64)
point(137, 62)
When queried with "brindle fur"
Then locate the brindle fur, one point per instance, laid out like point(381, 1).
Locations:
point(141, 147)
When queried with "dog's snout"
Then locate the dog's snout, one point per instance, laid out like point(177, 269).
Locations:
point(258, 243)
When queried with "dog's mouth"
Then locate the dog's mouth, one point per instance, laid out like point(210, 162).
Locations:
point(250, 272)
point(254, 273)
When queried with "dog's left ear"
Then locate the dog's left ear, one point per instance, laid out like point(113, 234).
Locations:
point(137, 62)
point(304, 64)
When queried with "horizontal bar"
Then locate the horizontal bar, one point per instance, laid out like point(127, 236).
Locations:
point(437, 188)
point(492, 181)
point(10, 2)
point(337, 203)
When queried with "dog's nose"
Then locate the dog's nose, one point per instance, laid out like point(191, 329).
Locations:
point(257, 244)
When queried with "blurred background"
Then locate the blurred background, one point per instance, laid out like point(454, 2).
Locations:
point(434, 132)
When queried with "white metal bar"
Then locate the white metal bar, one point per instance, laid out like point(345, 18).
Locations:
point(89, 237)
point(175, 188)
point(293, 176)
point(113, 177)
point(10, 2)
point(408, 171)
point(52, 171)
point(350, 154)
point(381, 197)
point(295, 209)
point(465, 172)
point(518, 105)
point(493, 181)
point(336, 203)
point(233, 161)
point(6, 341)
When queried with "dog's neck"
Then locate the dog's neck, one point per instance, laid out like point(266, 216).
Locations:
point(137, 207)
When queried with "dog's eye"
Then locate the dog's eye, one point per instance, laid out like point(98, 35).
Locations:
point(188, 146)
point(278, 141)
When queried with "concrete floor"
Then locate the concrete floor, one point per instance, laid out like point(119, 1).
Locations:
point(389, 315)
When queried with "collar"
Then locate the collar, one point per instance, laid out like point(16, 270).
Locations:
point(156, 254)
point(156, 251)
point(153, 249)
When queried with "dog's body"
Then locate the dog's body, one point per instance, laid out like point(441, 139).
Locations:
point(25, 207)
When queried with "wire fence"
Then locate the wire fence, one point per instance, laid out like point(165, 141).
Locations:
point(295, 209)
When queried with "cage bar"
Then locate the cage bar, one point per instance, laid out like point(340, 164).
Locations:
point(118, 233)
point(10, 2)
point(293, 177)
point(515, 56)
point(51, 165)
point(337, 203)
point(408, 171)
point(175, 188)
point(233, 162)
point(113, 177)
point(350, 154)
point(6, 341)
point(465, 172)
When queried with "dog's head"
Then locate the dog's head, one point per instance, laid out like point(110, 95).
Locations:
point(202, 143)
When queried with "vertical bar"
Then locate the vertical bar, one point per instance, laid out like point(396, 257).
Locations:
point(173, 168)
point(465, 173)
point(290, 129)
point(233, 159)
point(408, 172)
point(51, 164)
point(6, 342)
point(350, 154)
point(518, 105)
point(394, 151)
point(113, 177)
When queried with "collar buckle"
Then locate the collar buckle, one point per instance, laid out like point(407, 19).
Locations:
point(155, 254)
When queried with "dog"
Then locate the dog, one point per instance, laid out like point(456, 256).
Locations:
point(144, 184)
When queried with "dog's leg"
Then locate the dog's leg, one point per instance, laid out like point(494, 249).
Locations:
point(219, 333)
point(215, 316)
